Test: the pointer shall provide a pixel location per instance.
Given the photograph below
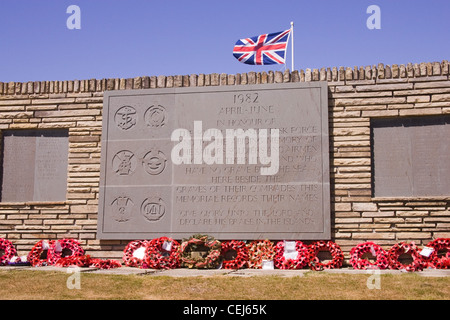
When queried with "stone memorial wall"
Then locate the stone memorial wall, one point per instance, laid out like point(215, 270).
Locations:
point(364, 105)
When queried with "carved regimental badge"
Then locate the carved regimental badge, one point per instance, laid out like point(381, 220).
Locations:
point(155, 116)
point(154, 162)
point(122, 208)
point(153, 208)
point(124, 163)
point(126, 117)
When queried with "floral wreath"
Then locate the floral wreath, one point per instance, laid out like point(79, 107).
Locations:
point(162, 253)
point(105, 263)
point(259, 250)
point(34, 256)
point(212, 260)
point(436, 261)
point(129, 258)
point(87, 261)
point(357, 252)
point(401, 248)
point(9, 251)
point(333, 248)
point(79, 261)
point(55, 252)
point(241, 254)
point(281, 262)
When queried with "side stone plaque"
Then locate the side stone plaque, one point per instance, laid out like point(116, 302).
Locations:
point(235, 162)
point(411, 156)
point(34, 165)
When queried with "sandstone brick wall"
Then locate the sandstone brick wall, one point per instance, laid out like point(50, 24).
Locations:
point(355, 96)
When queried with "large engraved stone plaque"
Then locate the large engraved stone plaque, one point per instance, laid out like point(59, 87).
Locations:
point(234, 162)
point(34, 165)
point(411, 156)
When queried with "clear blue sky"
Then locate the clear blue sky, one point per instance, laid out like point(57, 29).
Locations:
point(124, 39)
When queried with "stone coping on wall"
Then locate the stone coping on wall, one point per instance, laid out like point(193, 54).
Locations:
point(379, 73)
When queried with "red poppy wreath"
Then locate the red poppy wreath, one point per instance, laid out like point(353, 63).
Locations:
point(78, 261)
point(38, 254)
point(438, 259)
point(241, 250)
point(56, 250)
point(162, 253)
point(356, 260)
point(8, 251)
point(333, 248)
point(259, 250)
point(294, 260)
point(105, 263)
point(134, 253)
point(404, 248)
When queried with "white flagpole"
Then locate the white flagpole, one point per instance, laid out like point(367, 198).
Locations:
point(292, 45)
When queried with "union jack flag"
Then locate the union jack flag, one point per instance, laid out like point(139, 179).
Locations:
point(265, 49)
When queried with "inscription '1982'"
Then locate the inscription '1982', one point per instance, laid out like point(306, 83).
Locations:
point(246, 98)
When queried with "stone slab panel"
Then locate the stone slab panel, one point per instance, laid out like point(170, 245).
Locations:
point(167, 168)
point(34, 165)
point(411, 156)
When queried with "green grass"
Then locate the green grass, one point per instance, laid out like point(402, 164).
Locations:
point(20, 284)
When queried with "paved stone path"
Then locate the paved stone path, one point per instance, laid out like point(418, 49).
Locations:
point(183, 272)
